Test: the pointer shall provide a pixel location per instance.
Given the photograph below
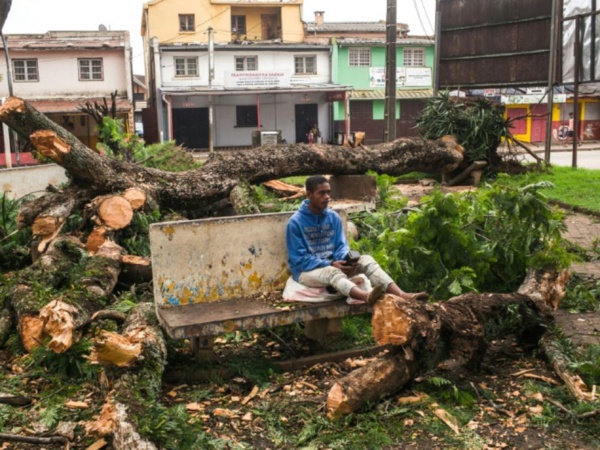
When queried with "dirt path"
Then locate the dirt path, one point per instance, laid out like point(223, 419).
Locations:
point(582, 328)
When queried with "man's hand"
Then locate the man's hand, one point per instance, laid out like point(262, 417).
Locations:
point(348, 269)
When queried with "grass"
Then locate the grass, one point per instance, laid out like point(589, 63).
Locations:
point(574, 187)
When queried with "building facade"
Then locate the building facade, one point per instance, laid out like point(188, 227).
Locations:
point(59, 71)
point(224, 72)
point(360, 63)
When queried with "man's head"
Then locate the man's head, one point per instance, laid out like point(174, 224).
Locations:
point(571, 115)
point(318, 192)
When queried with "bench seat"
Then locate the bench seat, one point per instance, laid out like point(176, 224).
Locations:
point(214, 318)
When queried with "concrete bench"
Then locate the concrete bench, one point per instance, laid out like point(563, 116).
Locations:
point(209, 275)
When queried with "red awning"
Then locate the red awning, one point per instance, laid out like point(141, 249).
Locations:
point(66, 106)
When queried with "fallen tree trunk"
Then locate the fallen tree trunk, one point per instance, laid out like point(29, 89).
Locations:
point(200, 188)
point(453, 331)
point(134, 361)
point(59, 317)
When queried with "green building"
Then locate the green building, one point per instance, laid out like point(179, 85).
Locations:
point(360, 63)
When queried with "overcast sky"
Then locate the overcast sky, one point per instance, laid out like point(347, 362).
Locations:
point(38, 16)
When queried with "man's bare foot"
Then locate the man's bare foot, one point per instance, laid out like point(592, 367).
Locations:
point(415, 295)
point(375, 294)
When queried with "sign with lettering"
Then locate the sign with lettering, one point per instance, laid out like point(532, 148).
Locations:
point(531, 99)
point(405, 76)
point(336, 96)
point(257, 79)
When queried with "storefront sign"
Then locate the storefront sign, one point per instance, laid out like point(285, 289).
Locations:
point(531, 99)
point(257, 79)
point(405, 77)
point(336, 96)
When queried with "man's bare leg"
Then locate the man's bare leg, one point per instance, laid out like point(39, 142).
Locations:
point(394, 289)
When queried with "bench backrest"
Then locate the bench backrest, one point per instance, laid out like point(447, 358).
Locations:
point(201, 261)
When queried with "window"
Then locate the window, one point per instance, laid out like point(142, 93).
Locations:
point(186, 67)
point(187, 22)
point(243, 63)
point(25, 69)
point(359, 57)
point(305, 64)
point(90, 69)
point(246, 116)
point(238, 24)
point(414, 57)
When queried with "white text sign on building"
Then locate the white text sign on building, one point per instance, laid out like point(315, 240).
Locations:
point(405, 77)
point(257, 79)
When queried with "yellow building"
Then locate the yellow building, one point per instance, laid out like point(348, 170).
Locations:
point(183, 21)
point(225, 74)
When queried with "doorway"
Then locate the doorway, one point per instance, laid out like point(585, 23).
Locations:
point(190, 127)
point(306, 116)
point(270, 26)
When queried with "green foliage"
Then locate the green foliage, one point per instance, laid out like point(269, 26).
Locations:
point(575, 187)
point(585, 361)
point(71, 364)
point(587, 365)
point(446, 390)
point(117, 144)
point(167, 156)
point(582, 295)
point(478, 125)
point(9, 415)
point(50, 415)
point(169, 428)
point(135, 238)
point(13, 251)
point(387, 197)
point(356, 332)
point(473, 242)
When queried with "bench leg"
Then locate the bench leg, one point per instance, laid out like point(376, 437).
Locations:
point(203, 348)
point(323, 331)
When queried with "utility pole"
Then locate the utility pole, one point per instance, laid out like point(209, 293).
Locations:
point(390, 73)
point(9, 138)
point(211, 74)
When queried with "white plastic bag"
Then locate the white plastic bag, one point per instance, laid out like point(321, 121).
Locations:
point(296, 292)
point(363, 283)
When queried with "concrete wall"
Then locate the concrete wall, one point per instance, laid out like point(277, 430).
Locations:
point(277, 113)
point(59, 75)
point(206, 260)
point(276, 60)
point(163, 19)
point(18, 182)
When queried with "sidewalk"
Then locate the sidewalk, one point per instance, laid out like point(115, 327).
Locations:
point(540, 147)
point(582, 328)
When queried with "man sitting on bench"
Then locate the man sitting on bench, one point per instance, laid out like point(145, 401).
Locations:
point(318, 250)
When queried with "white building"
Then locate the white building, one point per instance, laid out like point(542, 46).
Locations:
point(256, 86)
point(59, 71)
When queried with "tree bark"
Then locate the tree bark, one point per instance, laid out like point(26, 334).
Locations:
point(453, 331)
point(58, 317)
point(136, 379)
point(200, 188)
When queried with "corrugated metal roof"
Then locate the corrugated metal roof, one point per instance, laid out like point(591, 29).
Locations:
point(221, 90)
point(70, 105)
point(348, 27)
point(378, 94)
point(55, 40)
point(246, 45)
point(381, 41)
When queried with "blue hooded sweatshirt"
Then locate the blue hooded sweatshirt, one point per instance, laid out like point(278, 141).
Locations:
point(314, 240)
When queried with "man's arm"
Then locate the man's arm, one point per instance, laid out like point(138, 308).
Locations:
point(341, 248)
